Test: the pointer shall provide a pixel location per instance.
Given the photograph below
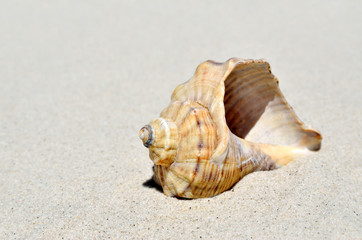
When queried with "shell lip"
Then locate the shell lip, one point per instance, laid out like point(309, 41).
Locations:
point(146, 134)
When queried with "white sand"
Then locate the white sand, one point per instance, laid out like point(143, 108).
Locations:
point(78, 80)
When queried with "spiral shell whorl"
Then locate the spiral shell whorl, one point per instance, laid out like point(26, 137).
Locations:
point(161, 137)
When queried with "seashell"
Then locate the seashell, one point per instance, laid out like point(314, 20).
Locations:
point(228, 120)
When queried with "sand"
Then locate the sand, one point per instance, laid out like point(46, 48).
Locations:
point(80, 78)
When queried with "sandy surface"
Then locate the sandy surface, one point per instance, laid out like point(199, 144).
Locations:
point(80, 78)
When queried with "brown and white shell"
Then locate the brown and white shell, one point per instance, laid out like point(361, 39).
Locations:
point(228, 120)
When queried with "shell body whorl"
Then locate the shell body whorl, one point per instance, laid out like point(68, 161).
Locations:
point(228, 120)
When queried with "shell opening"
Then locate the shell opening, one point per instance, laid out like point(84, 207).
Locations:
point(248, 90)
point(256, 110)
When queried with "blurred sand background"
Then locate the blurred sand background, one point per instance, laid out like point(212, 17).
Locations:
point(78, 79)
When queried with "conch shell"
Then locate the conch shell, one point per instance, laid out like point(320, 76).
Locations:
point(228, 120)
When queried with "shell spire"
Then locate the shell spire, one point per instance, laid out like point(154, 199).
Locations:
point(228, 120)
point(161, 137)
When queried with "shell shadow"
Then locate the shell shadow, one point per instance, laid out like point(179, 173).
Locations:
point(152, 184)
